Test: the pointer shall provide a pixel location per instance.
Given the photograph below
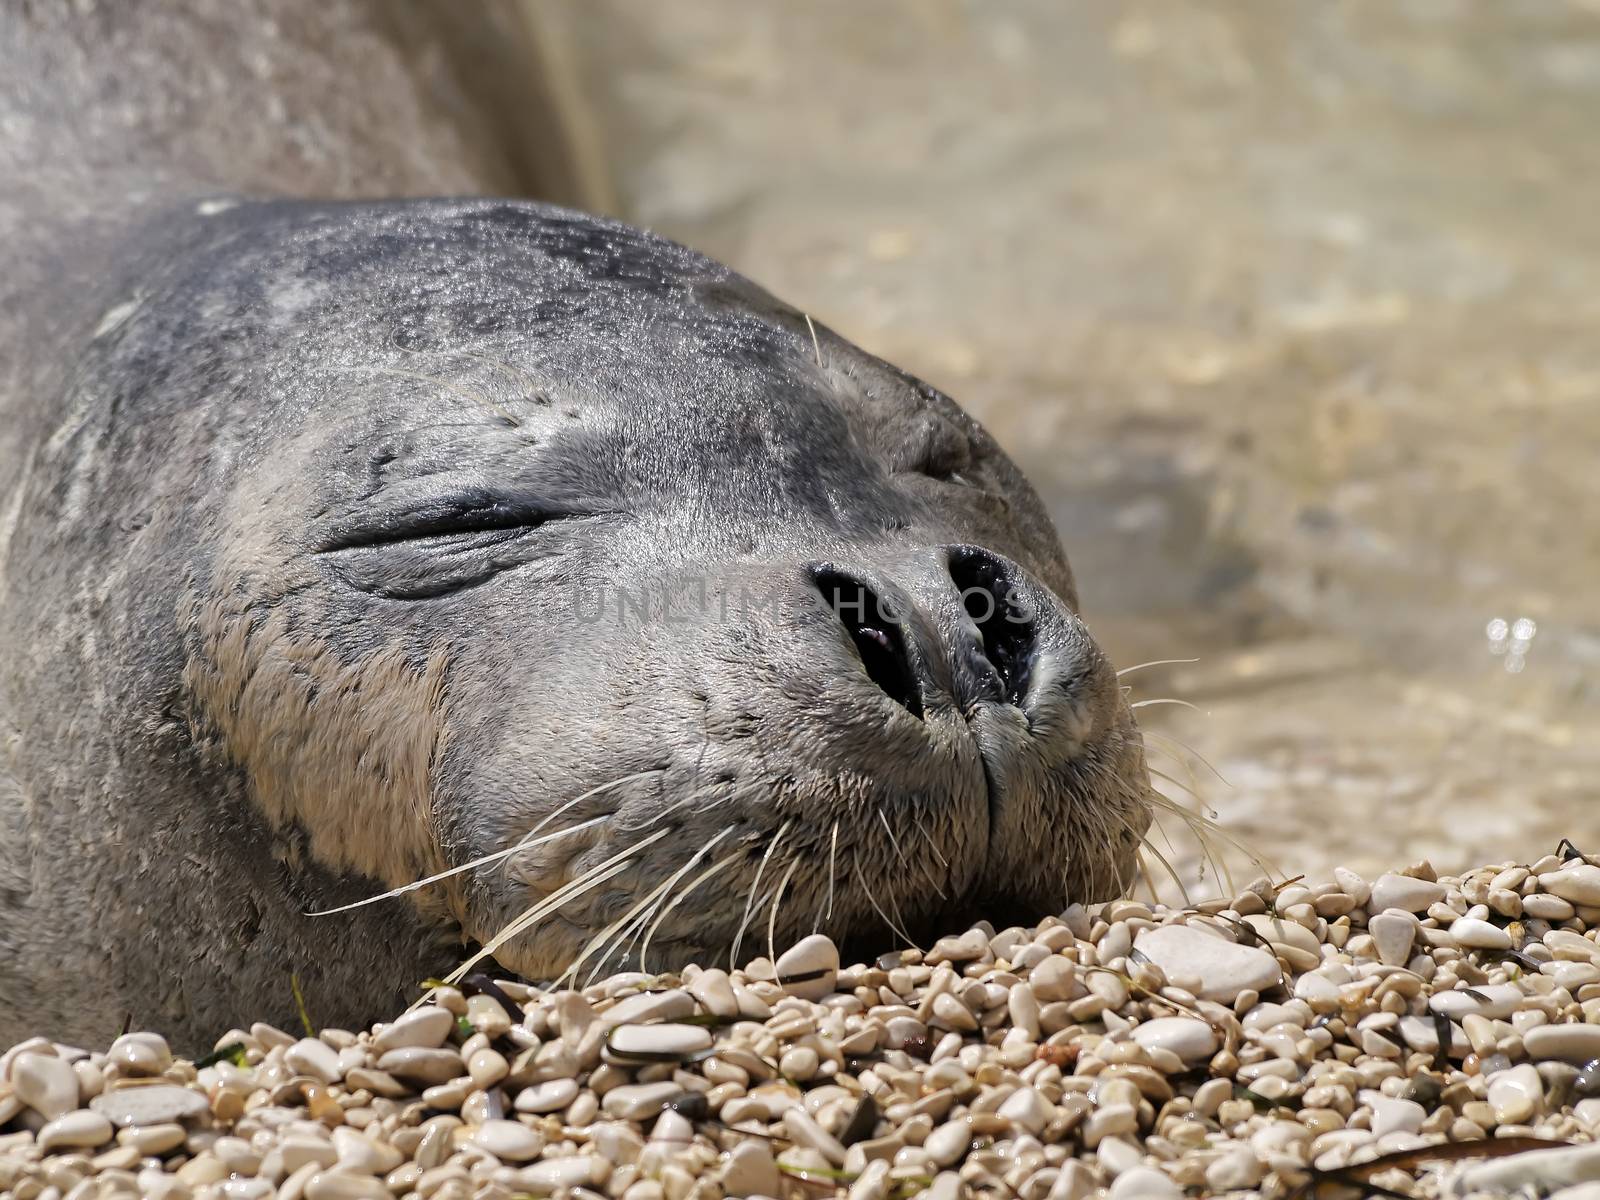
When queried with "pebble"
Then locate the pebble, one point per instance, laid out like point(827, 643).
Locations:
point(426, 1027)
point(1223, 969)
point(78, 1129)
point(1568, 1042)
point(1393, 932)
point(751, 1171)
point(549, 1096)
point(1405, 893)
point(314, 1057)
point(1578, 884)
point(1515, 1094)
point(1104, 1052)
point(1481, 935)
point(1191, 1040)
point(809, 968)
point(46, 1084)
point(509, 1141)
point(662, 1042)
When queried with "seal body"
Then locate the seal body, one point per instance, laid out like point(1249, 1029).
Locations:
point(348, 543)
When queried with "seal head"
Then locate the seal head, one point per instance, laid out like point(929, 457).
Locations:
point(381, 538)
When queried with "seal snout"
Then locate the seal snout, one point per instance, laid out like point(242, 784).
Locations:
point(959, 627)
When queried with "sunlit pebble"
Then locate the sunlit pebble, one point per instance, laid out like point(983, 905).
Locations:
point(1005, 1066)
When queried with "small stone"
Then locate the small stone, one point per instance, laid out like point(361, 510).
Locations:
point(46, 1084)
point(663, 1042)
point(810, 968)
point(1392, 1115)
point(1144, 1183)
point(1191, 1040)
point(751, 1171)
point(948, 1144)
point(714, 992)
point(1055, 978)
point(550, 1096)
point(639, 1101)
point(672, 1004)
point(341, 1185)
point(1236, 1170)
point(420, 1065)
point(1479, 935)
point(950, 1013)
point(1571, 1043)
point(80, 1129)
point(1026, 1109)
point(1393, 932)
point(805, 1131)
point(151, 1140)
point(1495, 1001)
point(1223, 968)
point(154, 1104)
point(426, 1027)
point(140, 1053)
point(1580, 884)
point(314, 1057)
point(509, 1141)
point(563, 1174)
point(1405, 893)
point(1516, 1095)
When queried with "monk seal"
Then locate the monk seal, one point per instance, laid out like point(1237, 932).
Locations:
point(347, 542)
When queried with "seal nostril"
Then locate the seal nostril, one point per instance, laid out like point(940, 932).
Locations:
point(879, 638)
point(994, 600)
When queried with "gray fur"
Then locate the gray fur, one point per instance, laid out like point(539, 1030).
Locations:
point(244, 680)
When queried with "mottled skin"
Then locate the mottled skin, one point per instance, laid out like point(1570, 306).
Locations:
point(314, 519)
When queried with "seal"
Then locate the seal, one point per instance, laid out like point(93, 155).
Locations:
point(348, 544)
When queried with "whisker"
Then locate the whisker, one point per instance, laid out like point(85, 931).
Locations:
point(901, 855)
point(684, 870)
point(537, 912)
point(1157, 662)
point(524, 844)
point(1188, 750)
point(725, 861)
point(738, 937)
point(777, 901)
point(1166, 700)
point(833, 861)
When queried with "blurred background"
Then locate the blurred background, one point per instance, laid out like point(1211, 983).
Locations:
point(1287, 308)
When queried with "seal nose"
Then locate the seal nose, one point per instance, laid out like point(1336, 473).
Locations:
point(987, 645)
point(877, 628)
point(993, 658)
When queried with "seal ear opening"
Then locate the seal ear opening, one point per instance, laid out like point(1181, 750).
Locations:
point(876, 632)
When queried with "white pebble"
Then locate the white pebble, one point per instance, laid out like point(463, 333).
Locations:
point(81, 1129)
point(509, 1141)
point(426, 1027)
point(1191, 1040)
point(1223, 968)
point(1479, 935)
point(45, 1084)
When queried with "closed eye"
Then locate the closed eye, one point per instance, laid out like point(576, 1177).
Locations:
point(477, 512)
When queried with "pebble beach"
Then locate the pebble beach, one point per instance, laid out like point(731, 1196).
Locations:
point(1409, 1034)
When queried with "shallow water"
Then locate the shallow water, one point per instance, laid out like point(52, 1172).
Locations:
point(1288, 309)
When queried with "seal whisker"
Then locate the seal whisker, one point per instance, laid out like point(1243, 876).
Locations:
point(921, 866)
point(777, 902)
point(724, 861)
point(833, 862)
point(666, 887)
point(738, 937)
point(523, 844)
point(536, 912)
point(1155, 662)
point(1174, 745)
point(894, 926)
point(1165, 700)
